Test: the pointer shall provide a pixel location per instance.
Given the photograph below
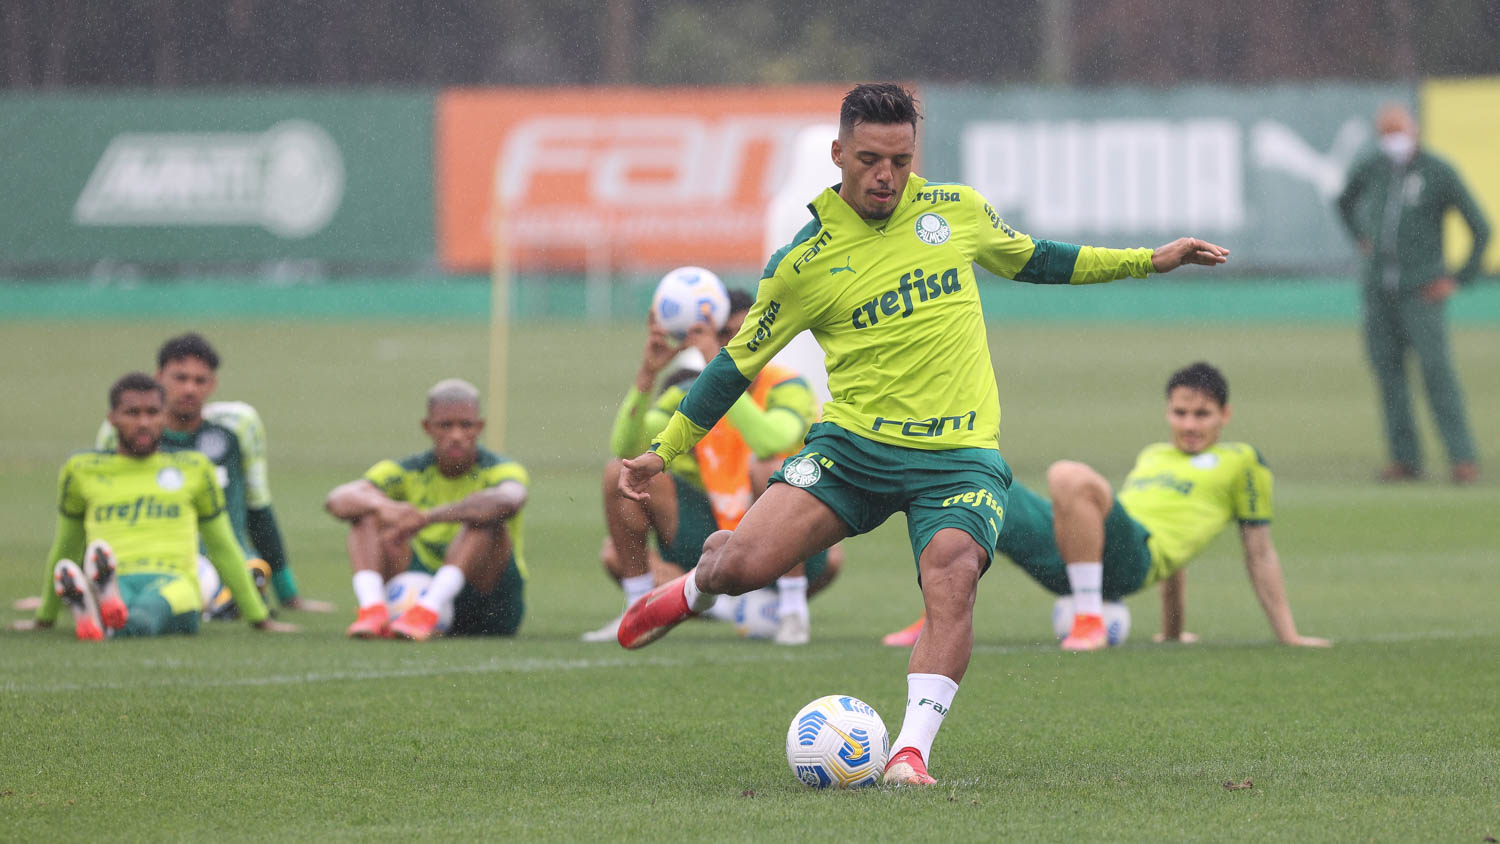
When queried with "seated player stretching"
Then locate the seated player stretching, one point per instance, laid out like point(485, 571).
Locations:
point(1097, 546)
point(711, 487)
point(453, 511)
point(140, 511)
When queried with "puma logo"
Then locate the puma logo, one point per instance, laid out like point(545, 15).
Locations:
point(844, 269)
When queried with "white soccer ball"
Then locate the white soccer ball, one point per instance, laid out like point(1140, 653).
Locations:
point(837, 741)
point(403, 590)
point(1116, 620)
point(688, 295)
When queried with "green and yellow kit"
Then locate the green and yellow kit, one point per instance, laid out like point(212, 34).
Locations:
point(152, 511)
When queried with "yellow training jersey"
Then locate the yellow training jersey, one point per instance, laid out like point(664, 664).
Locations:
point(417, 481)
point(1184, 500)
point(893, 304)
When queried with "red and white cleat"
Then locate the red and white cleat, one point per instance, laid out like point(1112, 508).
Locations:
point(1088, 634)
point(99, 567)
point(418, 624)
point(74, 590)
point(907, 636)
point(907, 768)
point(373, 622)
point(658, 611)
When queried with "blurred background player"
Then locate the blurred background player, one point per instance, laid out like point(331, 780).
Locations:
point(140, 511)
point(710, 488)
point(453, 511)
point(232, 436)
point(1393, 205)
point(1096, 546)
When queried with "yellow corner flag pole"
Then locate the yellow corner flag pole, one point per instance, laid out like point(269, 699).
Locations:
point(494, 425)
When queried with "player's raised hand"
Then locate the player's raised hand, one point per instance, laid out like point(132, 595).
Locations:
point(659, 349)
point(1187, 250)
point(636, 474)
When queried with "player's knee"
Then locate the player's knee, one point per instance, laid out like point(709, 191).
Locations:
point(612, 474)
point(1069, 480)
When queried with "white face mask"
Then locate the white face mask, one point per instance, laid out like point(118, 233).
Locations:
point(1399, 147)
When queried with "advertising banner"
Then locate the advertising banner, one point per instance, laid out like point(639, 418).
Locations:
point(1461, 122)
point(631, 176)
point(217, 178)
point(1256, 170)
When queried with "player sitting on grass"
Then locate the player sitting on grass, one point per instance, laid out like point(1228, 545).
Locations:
point(453, 511)
point(232, 436)
point(140, 512)
point(711, 487)
point(1097, 546)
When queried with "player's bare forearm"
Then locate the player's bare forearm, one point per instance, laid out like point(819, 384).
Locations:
point(486, 506)
point(355, 500)
point(1264, 567)
point(1173, 606)
point(1187, 250)
point(636, 474)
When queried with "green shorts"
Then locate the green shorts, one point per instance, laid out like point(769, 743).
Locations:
point(159, 604)
point(695, 521)
point(864, 482)
point(497, 613)
point(1029, 541)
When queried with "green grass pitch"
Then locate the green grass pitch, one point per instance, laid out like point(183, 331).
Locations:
point(1394, 734)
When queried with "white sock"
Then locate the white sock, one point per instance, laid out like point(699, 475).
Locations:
point(369, 588)
point(636, 587)
point(1087, 580)
point(928, 699)
point(697, 599)
point(446, 584)
point(792, 592)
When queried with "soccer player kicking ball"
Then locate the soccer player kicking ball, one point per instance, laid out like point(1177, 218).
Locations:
point(140, 511)
point(1097, 546)
point(883, 276)
point(468, 537)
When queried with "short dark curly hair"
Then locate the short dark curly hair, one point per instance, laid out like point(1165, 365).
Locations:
point(189, 345)
point(134, 382)
point(1203, 377)
point(878, 102)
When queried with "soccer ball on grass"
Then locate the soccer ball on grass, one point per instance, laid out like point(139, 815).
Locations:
point(686, 296)
point(403, 590)
point(837, 741)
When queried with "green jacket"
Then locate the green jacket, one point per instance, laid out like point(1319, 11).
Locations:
point(1405, 230)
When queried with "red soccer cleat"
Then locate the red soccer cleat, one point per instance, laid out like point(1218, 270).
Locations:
point(99, 567)
point(373, 622)
point(907, 636)
point(1088, 634)
point(73, 589)
point(907, 768)
point(418, 624)
point(654, 614)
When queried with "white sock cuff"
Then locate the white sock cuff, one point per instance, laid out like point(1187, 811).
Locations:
point(369, 588)
point(934, 685)
point(447, 582)
point(697, 599)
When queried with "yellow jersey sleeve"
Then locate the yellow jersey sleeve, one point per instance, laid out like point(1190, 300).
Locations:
point(390, 478)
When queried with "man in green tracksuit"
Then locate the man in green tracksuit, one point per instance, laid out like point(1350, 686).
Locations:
point(1393, 205)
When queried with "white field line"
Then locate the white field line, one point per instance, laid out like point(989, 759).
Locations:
point(531, 665)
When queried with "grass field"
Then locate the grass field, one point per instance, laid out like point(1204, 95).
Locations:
point(1394, 734)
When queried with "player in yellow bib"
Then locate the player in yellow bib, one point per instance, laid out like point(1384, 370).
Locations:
point(711, 487)
point(883, 277)
point(454, 512)
point(141, 511)
point(1096, 545)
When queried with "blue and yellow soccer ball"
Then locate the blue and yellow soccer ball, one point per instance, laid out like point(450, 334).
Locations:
point(686, 296)
point(403, 590)
point(1116, 620)
point(837, 741)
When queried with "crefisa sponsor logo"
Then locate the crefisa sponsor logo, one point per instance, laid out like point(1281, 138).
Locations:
point(288, 180)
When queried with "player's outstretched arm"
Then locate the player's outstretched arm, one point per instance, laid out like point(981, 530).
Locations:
point(1174, 611)
point(636, 474)
point(357, 499)
point(1187, 250)
point(487, 506)
point(1264, 566)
